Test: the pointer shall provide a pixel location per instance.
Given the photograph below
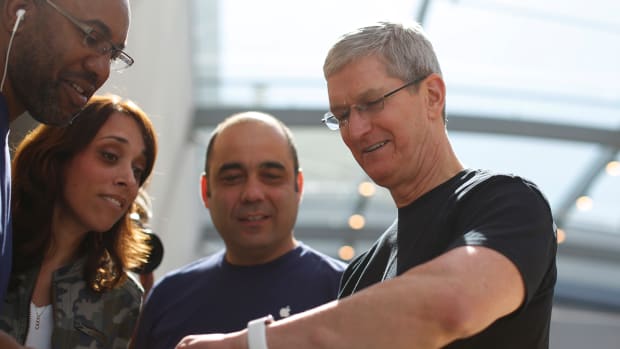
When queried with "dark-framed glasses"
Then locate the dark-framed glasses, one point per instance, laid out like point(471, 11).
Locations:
point(95, 40)
point(334, 121)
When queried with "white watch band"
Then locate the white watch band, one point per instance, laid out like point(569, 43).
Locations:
point(256, 332)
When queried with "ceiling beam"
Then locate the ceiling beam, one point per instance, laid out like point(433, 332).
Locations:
point(461, 122)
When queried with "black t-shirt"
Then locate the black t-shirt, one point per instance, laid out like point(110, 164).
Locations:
point(475, 208)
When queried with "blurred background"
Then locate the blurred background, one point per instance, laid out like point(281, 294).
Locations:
point(533, 89)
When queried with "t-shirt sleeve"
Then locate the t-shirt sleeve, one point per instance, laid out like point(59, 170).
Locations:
point(511, 216)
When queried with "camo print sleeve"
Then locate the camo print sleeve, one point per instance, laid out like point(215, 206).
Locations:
point(14, 315)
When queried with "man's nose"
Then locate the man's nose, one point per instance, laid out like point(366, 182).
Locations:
point(358, 123)
point(99, 65)
point(253, 190)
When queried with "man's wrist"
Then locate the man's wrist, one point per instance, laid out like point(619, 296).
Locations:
point(257, 338)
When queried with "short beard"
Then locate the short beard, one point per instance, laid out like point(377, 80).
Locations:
point(31, 72)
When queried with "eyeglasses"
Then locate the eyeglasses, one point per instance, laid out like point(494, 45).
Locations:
point(94, 40)
point(334, 121)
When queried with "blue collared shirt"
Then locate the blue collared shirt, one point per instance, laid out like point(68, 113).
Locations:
point(6, 230)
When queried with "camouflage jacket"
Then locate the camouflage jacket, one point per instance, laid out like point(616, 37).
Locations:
point(82, 318)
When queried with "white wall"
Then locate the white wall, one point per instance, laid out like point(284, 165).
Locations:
point(160, 82)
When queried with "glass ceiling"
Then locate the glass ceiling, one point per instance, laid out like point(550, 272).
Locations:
point(528, 66)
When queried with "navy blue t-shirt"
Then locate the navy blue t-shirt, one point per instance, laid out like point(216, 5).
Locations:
point(213, 296)
point(5, 202)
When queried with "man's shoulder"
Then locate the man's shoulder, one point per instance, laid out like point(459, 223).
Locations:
point(314, 256)
point(191, 270)
point(470, 180)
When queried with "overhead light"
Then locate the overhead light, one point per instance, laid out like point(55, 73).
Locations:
point(561, 236)
point(366, 189)
point(357, 222)
point(346, 252)
point(584, 203)
point(613, 168)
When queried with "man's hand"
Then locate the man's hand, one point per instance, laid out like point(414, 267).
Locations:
point(235, 340)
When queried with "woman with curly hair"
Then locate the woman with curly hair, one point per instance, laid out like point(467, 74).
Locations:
point(74, 242)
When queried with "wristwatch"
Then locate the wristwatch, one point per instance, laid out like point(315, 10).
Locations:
point(256, 332)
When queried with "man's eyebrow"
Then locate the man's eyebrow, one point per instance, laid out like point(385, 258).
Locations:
point(370, 93)
point(230, 166)
point(338, 107)
point(103, 29)
point(272, 165)
point(366, 94)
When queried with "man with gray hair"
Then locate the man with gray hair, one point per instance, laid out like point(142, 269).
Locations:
point(470, 260)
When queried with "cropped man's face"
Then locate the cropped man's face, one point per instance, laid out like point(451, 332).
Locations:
point(55, 66)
